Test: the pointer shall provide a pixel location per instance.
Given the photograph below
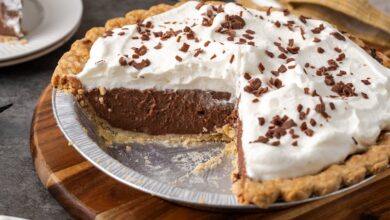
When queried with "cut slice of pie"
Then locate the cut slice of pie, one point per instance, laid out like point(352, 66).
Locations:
point(307, 103)
point(11, 18)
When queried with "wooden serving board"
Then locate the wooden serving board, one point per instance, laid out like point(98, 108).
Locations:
point(87, 193)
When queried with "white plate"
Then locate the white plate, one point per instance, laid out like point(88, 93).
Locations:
point(38, 53)
point(46, 22)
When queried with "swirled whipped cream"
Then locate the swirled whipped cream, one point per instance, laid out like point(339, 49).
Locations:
point(307, 95)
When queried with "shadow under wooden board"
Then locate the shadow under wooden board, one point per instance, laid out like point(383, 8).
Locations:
point(87, 193)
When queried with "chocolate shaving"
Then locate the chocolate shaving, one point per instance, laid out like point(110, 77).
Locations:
point(338, 36)
point(254, 84)
point(247, 76)
point(269, 11)
point(299, 107)
point(290, 42)
point(122, 61)
point(341, 57)
point(233, 22)
point(290, 60)
point(309, 132)
point(261, 139)
point(329, 80)
point(318, 29)
point(293, 50)
point(197, 52)
point(178, 58)
point(332, 106)
point(270, 54)
point(247, 36)
point(313, 122)
point(289, 124)
point(365, 81)
point(320, 108)
point(145, 37)
point(344, 90)
point(342, 73)
point(250, 31)
point(282, 69)
point(207, 22)
point(140, 65)
point(278, 83)
point(158, 46)
point(316, 40)
point(282, 56)
point(140, 51)
point(261, 121)
point(231, 59)
point(261, 67)
point(302, 33)
point(338, 50)
point(303, 19)
point(254, 87)
point(354, 141)
point(184, 48)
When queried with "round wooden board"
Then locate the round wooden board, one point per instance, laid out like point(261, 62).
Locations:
point(87, 193)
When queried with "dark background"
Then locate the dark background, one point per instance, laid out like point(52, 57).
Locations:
point(21, 192)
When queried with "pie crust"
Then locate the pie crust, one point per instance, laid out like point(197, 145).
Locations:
point(260, 193)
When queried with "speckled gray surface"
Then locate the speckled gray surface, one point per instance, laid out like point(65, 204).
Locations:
point(21, 192)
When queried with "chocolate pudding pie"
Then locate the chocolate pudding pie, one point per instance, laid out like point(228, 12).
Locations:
point(11, 19)
point(309, 106)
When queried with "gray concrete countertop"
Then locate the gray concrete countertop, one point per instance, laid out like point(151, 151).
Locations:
point(21, 192)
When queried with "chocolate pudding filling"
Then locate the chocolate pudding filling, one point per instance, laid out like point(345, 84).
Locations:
point(162, 112)
point(240, 152)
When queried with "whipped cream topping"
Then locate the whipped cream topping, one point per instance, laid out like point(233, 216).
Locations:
point(307, 96)
point(13, 19)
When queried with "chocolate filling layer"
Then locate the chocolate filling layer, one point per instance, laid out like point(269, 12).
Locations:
point(240, 153)
point(162, 112)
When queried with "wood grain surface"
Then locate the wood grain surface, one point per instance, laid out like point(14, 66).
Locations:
point(87, 193)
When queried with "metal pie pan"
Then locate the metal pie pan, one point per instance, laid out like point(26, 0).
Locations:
point(161, 169)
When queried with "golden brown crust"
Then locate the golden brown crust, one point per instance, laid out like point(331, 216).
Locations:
point(264, 193)
point(352, 171)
